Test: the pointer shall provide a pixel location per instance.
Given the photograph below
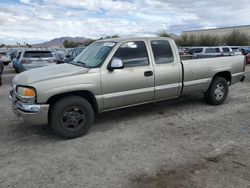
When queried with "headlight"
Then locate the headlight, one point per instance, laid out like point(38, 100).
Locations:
point(26, 92)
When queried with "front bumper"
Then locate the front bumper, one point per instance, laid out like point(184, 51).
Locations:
point(35, 114)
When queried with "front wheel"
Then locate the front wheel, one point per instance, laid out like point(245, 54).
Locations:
point(217, 92)
point(71, 117)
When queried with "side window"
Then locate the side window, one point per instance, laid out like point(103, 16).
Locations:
point(162, 52)
point(208, 50)
point(217, 50)
point(213, 50)
point(226, 49)
point(133, 54)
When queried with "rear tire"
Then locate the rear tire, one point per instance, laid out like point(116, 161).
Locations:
point(217, 92)
point(71, 117)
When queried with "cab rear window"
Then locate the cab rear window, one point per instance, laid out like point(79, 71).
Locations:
point(37, 54)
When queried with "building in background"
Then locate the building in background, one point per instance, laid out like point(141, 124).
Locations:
point(219, 31)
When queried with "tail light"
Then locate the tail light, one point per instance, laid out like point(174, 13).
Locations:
point(24, 61)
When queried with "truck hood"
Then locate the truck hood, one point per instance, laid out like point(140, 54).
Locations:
point(48, 72)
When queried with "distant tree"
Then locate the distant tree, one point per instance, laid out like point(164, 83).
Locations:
point(110, 37)
point(2, 45)
point(115, 36)
point(201, 40)
point(208, 40)
point(28, 45)
point(164, 34)
point(87, 42)
point(70, 44)
point(187, 40)
point(237, 38)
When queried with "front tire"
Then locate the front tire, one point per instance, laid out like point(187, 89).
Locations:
point(71, 117)
point(217, 92)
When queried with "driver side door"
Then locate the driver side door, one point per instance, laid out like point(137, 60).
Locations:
point(134, 83)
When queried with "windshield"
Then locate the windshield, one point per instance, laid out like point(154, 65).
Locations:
point(94, 55)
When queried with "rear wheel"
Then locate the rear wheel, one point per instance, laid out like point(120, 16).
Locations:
point(71, 117)
point(217, 92)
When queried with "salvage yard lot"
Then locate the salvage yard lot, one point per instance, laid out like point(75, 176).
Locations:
point(180, 143)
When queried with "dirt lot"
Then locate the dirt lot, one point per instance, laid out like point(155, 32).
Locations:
point(182, 143)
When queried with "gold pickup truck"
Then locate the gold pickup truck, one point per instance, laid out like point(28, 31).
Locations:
point(117, 73)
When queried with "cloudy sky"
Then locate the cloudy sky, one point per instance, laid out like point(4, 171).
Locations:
point(35, 21)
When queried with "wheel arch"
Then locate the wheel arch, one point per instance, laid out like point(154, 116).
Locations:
point(89, 96)
point(224, 74)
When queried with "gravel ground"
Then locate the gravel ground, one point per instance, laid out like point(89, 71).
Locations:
point(180, 143)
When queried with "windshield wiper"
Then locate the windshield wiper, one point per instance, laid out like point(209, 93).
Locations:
point(79, 63)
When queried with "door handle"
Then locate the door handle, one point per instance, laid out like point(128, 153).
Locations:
point(148, 73)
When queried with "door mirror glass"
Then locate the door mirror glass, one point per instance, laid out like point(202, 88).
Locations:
point(116, 63)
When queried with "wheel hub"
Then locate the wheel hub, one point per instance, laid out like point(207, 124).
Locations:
point(219, 91)
point(73, 118)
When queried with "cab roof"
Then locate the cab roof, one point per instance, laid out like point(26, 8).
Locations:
point(132, 38)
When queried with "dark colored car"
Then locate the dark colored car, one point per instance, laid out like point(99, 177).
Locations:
point(72, 53)
point(1, 72)
point(245, 51)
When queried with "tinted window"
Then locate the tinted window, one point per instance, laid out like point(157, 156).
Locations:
point(133, 54)
point(195, 50)
point(36, 54)
point(217, 50)
point(226, 49)
point(162, 52)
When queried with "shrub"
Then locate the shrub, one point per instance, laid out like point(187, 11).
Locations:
point(237, 38)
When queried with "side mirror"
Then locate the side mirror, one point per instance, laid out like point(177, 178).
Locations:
point(116, 63)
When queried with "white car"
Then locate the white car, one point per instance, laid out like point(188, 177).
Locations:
point(236, 51)
point(209, 52)
point(5, 58)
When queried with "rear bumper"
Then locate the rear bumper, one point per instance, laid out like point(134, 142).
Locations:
point(35, 114)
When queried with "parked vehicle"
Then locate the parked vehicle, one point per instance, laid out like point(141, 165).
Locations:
point(58, 56)
point(5, 58)
point(29, 59)
point(236, 50)
point(1, 72)
point(118, 73)
point(183, 51)
point(13, 53)
point(72, 54)
point(245, 51)
point(209, 52)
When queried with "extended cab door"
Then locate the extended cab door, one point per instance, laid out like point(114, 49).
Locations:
point(168, 70)
point(134, 83)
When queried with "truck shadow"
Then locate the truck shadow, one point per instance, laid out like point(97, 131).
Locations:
point(108, 120)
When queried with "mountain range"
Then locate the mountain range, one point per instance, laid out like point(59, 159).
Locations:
point(59, 41)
